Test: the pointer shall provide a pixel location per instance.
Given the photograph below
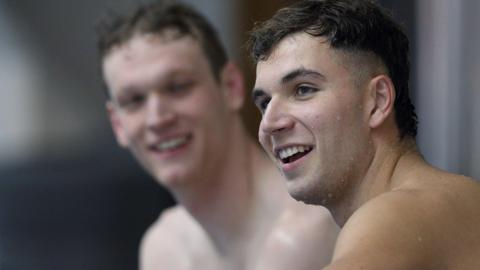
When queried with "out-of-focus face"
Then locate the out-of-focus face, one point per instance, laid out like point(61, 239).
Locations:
point(167, 107)
point(314, 125)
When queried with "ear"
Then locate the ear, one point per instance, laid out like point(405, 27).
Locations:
point(117, 126)
point(233, 85)
point(381, 99)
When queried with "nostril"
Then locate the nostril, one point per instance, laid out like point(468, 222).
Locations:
point(160, 120)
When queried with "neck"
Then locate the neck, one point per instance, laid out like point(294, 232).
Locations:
point(379, 178)
point(222, 204)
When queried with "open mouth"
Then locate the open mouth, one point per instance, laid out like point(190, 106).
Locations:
point(172, 144)
point(293, 153)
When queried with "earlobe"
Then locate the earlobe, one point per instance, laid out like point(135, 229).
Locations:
point(232, 82)
point(382, 93)
point(116, 124)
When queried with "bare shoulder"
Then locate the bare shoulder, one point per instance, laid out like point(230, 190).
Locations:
point(167, 241)
point(172, 223)
point(422, 226)
point(307, 221)
point(303, 239)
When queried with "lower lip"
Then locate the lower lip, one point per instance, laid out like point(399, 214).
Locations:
point(292, 166)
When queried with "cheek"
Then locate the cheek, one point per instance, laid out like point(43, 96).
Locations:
point(201, 103)
point(329, 124)
point(318, 120)
point(264, 141)
point(133, 127)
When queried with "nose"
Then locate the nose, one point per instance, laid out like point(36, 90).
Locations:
point(159, 112)
point(276, 118)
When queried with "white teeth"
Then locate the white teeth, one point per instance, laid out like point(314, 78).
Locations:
point(290, 151)
point(173, 143)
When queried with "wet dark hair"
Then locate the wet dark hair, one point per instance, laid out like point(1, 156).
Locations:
point(158, 18)
point(355, 26)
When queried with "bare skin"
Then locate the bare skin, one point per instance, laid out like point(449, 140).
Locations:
point(427, 219)
point(183, 126)
point(396, 211)
point(296, 236)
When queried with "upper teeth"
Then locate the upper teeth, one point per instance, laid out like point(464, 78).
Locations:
point(172, 143)
point(290, 151)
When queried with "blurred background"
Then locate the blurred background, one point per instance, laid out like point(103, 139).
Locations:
point(71, 199)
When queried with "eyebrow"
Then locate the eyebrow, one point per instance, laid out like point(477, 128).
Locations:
point(300, 72)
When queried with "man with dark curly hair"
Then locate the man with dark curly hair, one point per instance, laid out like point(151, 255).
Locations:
point(337, 120)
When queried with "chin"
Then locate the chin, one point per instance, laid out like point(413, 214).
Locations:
point(304, 198)
point(170, 180)
point(301, 194)
point(309, 194)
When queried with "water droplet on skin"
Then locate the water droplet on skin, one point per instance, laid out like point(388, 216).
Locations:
point(339, 118)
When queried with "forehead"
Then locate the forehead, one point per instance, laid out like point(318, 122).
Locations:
point(144, 57)
point(300, 51)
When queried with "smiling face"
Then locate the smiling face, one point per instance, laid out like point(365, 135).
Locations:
point(314, 125)
point(167, 107)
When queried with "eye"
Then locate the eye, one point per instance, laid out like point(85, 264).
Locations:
point(261, 99)
point(305, 91)
point(131, 102)
point(262, 103)
point(179, 87)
